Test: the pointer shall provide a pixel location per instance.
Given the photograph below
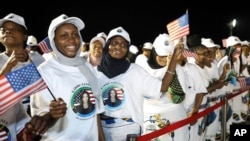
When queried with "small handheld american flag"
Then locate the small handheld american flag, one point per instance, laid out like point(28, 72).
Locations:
point(244, 83)
point(18, 84)
point(186, 53)
point(44, 45)
point(179, 27)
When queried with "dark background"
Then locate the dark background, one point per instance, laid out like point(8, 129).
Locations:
point(143, 20)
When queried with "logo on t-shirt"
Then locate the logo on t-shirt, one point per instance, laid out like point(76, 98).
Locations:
point(83, 102)
point(113, 96)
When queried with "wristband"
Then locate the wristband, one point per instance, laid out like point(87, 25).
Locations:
point(170, 72)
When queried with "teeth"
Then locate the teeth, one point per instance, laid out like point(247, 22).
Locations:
point(70, 47)
point(117, 51)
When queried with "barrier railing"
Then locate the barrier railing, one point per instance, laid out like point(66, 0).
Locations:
point(223, 103)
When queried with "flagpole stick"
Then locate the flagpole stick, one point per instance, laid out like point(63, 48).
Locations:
point(52, 94)
point(44, 81)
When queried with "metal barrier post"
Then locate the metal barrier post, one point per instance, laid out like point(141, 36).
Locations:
point(131, 137)
point(224, 118)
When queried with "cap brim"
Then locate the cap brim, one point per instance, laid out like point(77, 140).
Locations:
point(6, 20)
point(76, 21)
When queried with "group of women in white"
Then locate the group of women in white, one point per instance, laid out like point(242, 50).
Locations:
point(109, 97)
point(198, 83)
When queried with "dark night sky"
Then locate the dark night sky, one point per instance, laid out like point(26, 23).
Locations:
point(143, 23)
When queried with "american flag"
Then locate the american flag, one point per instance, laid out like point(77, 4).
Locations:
point(178, 28)
point(186, 53)
point(44, 45)
point(18, 84)
point(244, 83)
point(91, 96)
point(3, 133)
point(119, 93)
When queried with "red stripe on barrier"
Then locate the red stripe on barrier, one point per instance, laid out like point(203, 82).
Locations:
point(183, 122)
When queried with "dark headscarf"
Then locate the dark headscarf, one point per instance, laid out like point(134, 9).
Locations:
point(110, 66)
point(152, 60)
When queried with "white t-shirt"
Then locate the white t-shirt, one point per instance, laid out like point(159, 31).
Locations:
point(36, 57)
point(131, 86)
point(4, 58)
point(141, 60)
point(157, 73)
point(68, 83)
point(191, 82)
point(12, 122)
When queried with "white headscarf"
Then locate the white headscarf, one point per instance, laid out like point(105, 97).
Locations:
point(77, 60)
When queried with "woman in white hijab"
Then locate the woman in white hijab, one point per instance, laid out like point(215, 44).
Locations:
point(68, 76)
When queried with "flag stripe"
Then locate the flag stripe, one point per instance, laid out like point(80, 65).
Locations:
point(3, 135)
point(119, 94)
point(180, 33)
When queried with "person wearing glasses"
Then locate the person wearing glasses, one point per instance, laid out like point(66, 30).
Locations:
point(16, 124)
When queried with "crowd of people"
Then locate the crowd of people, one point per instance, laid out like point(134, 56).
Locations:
point(107, 88)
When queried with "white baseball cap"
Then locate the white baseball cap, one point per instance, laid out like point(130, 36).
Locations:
point(103, 35)
point(64, 19)
point(119, 31)
point(96, 38)
point(162, 45)
point(209, 43)
point(245, 43)
point(32, 41)
point(14, 18)
point(133, 49)
point(233, 40)
point(148, 45)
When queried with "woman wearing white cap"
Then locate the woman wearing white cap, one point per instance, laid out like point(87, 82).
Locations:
point(13, 34)
point(142, 58)
point(212, 75)
point(211, 82)
point(237, 60)
point(95, 50)
point(181, 94)
point(132, 83)
point(68, 76)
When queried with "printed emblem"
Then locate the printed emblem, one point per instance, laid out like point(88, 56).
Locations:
point(113, 96)
point(83, 102)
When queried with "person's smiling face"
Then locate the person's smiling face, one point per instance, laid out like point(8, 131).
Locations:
point(67, 39)
point(118, 47)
